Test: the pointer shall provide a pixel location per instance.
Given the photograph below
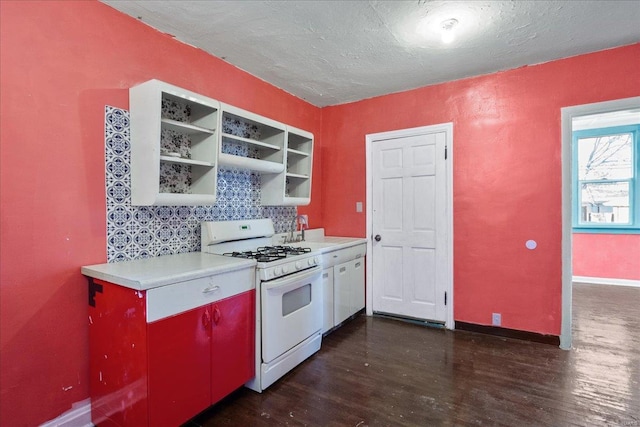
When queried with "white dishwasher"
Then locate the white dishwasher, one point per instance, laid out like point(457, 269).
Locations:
point(348, 288)
point(343, 278)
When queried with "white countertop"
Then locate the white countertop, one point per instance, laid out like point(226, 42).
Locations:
point(150, 273)
point(317, 241)
point(333, 243)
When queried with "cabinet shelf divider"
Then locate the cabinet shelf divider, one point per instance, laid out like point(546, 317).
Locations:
point(180, 160)
point(257, 165)
point(251, 141)
point(178, 126)
point(297, 175)
point(298, 152)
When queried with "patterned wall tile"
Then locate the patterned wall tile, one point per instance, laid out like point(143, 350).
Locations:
point(135, 232)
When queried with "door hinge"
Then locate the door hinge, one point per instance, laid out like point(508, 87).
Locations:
point(445, 298)
point(93, 289)
point(445, 152)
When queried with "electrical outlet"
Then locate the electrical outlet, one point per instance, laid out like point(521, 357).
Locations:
point(496, 319)
point(358, 206)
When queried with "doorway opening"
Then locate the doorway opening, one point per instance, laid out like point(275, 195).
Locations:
point(606, 198)
point(570, 195)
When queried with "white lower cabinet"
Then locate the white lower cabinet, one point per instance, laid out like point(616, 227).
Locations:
point(343, 285)
point(358, 288)
point(348, 288)
point(327, 295)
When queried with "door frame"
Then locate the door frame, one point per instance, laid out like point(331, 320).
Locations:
point(567, 115)
point(402, 133)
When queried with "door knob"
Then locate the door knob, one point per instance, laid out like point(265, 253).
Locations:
point(378, 237)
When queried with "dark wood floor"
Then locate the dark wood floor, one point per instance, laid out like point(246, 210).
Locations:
point(382, 372)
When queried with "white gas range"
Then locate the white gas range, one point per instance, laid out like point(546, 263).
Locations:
point(288, 294)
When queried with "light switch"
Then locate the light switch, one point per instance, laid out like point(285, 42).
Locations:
point(358, 206)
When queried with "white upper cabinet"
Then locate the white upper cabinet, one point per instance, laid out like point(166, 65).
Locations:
point(293, 187)
point(174, 145)
point(179, 139)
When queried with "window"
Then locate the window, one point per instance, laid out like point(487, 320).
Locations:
point(606, 190)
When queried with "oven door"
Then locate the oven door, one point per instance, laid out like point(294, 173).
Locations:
point(291, 311)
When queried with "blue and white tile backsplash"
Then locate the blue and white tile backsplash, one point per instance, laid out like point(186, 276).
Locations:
point(135, 232)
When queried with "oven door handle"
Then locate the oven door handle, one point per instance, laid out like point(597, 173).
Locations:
point(292, 279)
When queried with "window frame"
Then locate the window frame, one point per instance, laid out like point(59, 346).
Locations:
point(634, 182)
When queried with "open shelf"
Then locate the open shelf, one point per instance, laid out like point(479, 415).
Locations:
point(202, 134)
point(166, 118)
point(257, 165)
point(297, 187)
point(293, 187)
point(250, 141)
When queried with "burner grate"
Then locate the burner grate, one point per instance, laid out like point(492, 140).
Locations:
point(257, 255)
point(269, 253)
point(287, 250)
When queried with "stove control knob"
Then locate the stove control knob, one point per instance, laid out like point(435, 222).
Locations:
point(298, 265)
point(285, 269)
point(277, 271)
point(312, 261)
point(316, 260)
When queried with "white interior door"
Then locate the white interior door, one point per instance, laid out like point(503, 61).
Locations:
point(409, 223)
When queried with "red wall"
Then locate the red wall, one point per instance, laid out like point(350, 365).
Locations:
point(507, 175)
point(611, 256)
point(61, 62)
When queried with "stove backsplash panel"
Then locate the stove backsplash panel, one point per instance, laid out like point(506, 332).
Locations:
point(135, 232)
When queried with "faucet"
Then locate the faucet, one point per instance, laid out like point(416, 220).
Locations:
point(303, 223)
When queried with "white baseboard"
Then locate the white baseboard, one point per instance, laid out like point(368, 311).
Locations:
point(78, 416)
point(606, 281)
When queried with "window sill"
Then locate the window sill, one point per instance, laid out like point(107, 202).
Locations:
point(605, 230)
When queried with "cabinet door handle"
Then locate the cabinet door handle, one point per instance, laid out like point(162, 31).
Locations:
point(357, 264)
point(206, 318)
point(216, 315)
point(211, 289)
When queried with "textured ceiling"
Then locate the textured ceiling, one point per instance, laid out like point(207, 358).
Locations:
point(332, 52)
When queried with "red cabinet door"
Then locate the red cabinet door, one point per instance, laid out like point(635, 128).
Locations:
point(232, 343)
point(118, 357)
point(179, 367)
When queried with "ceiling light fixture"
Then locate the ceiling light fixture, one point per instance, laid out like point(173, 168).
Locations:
point(447, 30)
